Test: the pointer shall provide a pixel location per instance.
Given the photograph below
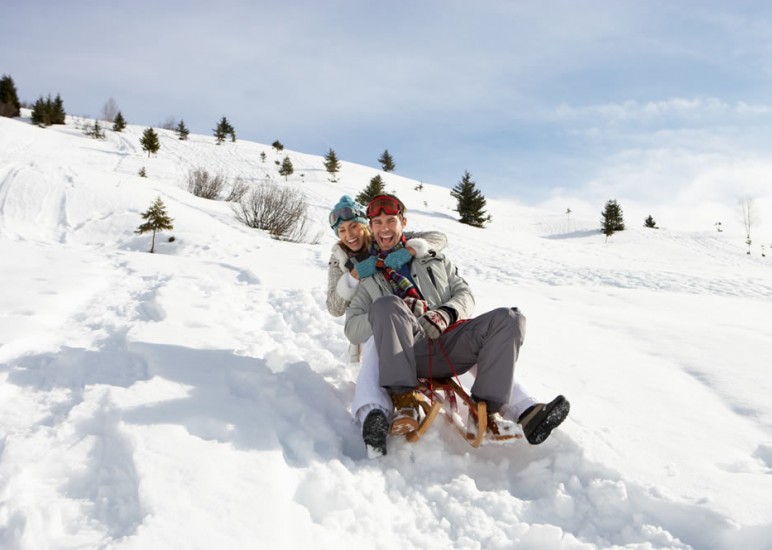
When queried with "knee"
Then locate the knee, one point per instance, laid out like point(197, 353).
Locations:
point(384, 307)
point(514, 320)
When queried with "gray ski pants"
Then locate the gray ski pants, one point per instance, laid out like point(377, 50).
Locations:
point(491, 341)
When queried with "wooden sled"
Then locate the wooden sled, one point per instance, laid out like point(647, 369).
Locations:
point(442, 396)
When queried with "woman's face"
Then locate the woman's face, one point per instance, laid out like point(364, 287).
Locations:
point(352, 234)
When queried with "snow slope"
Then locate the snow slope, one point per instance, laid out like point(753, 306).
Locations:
point(198, 397)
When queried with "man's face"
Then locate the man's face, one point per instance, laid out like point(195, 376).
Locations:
point(387, 229)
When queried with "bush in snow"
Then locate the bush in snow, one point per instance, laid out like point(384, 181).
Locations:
point(650, 223)
point(238, 191)
point(280, 211)
point(201, 184)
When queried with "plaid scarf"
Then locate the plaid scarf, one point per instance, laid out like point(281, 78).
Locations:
point(400, 285)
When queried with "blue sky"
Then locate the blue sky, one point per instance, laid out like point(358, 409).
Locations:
point(645, 100)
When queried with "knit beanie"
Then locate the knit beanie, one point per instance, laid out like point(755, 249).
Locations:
point(346, 210)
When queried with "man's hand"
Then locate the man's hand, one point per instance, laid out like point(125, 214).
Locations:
point(416, 305)
point(434, 322)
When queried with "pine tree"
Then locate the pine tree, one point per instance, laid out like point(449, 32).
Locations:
point(149, 142)
point(278, 146)
point(46, 112)
point(9, 99)
point(222, 131)
point(374, 189)
point(387, 162)
point(286, 169)
point(182, 131)
point(95, 131)
point(470, 202)
point(650, 223)
point(156, 219)
point(41, 112)
point(120, 123)
point(58, 114)
point(332, 164)
point(612, 219)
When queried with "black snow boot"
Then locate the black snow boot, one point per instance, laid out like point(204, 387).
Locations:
point(539, 420)
point(374, 431)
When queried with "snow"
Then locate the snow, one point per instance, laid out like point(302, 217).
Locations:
point(198, 397)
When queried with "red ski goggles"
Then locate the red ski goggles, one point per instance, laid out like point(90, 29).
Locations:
point(384, 204)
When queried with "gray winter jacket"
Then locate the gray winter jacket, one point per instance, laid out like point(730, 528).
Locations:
point(437, 280)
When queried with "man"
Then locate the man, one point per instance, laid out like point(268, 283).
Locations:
point(419, 313)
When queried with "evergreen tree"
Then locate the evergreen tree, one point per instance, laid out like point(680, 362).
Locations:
point(332, 164)
point(156, 219)
point(387, 162)
point(149, 142)
point(182, 131)
point(612, 219)
point(95, 131)
point(46, 112)
point(9, 99)
point(41, 112)
point(223, 130)
point(119, 124)
point(58, 114)
point(286, 169)
point(278, 146)
point(650, 223)
point(374, 189)
point(470, 202)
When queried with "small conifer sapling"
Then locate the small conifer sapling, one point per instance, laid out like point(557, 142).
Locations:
point(156, 219)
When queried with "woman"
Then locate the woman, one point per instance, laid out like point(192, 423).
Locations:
point(351, 260)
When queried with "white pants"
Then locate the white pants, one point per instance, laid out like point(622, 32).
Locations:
point(369, 395)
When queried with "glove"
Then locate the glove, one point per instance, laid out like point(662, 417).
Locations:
point(365, 268)
point(416, 305)
point(398, 258)
point(434, 322)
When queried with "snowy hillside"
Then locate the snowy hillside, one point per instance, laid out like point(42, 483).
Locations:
point(198, 397)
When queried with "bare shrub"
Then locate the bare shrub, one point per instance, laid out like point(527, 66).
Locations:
point(203, 185)
point(169, 124)
point(281, 211)
point(110, 110)
point(238, 191)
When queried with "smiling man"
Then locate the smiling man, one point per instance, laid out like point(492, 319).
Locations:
point(416, 308)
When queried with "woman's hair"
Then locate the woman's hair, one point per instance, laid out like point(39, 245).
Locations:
point(368, 238)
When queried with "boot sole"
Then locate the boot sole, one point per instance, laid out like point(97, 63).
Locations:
point(550, 417)
point(374, 432)
point(403, 426)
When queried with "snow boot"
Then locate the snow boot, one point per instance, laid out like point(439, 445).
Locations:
point(375, 428)
point(539, 420)
point(406, 413)
point(500, 429)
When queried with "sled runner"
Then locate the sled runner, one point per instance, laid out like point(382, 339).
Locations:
point(441, 396)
